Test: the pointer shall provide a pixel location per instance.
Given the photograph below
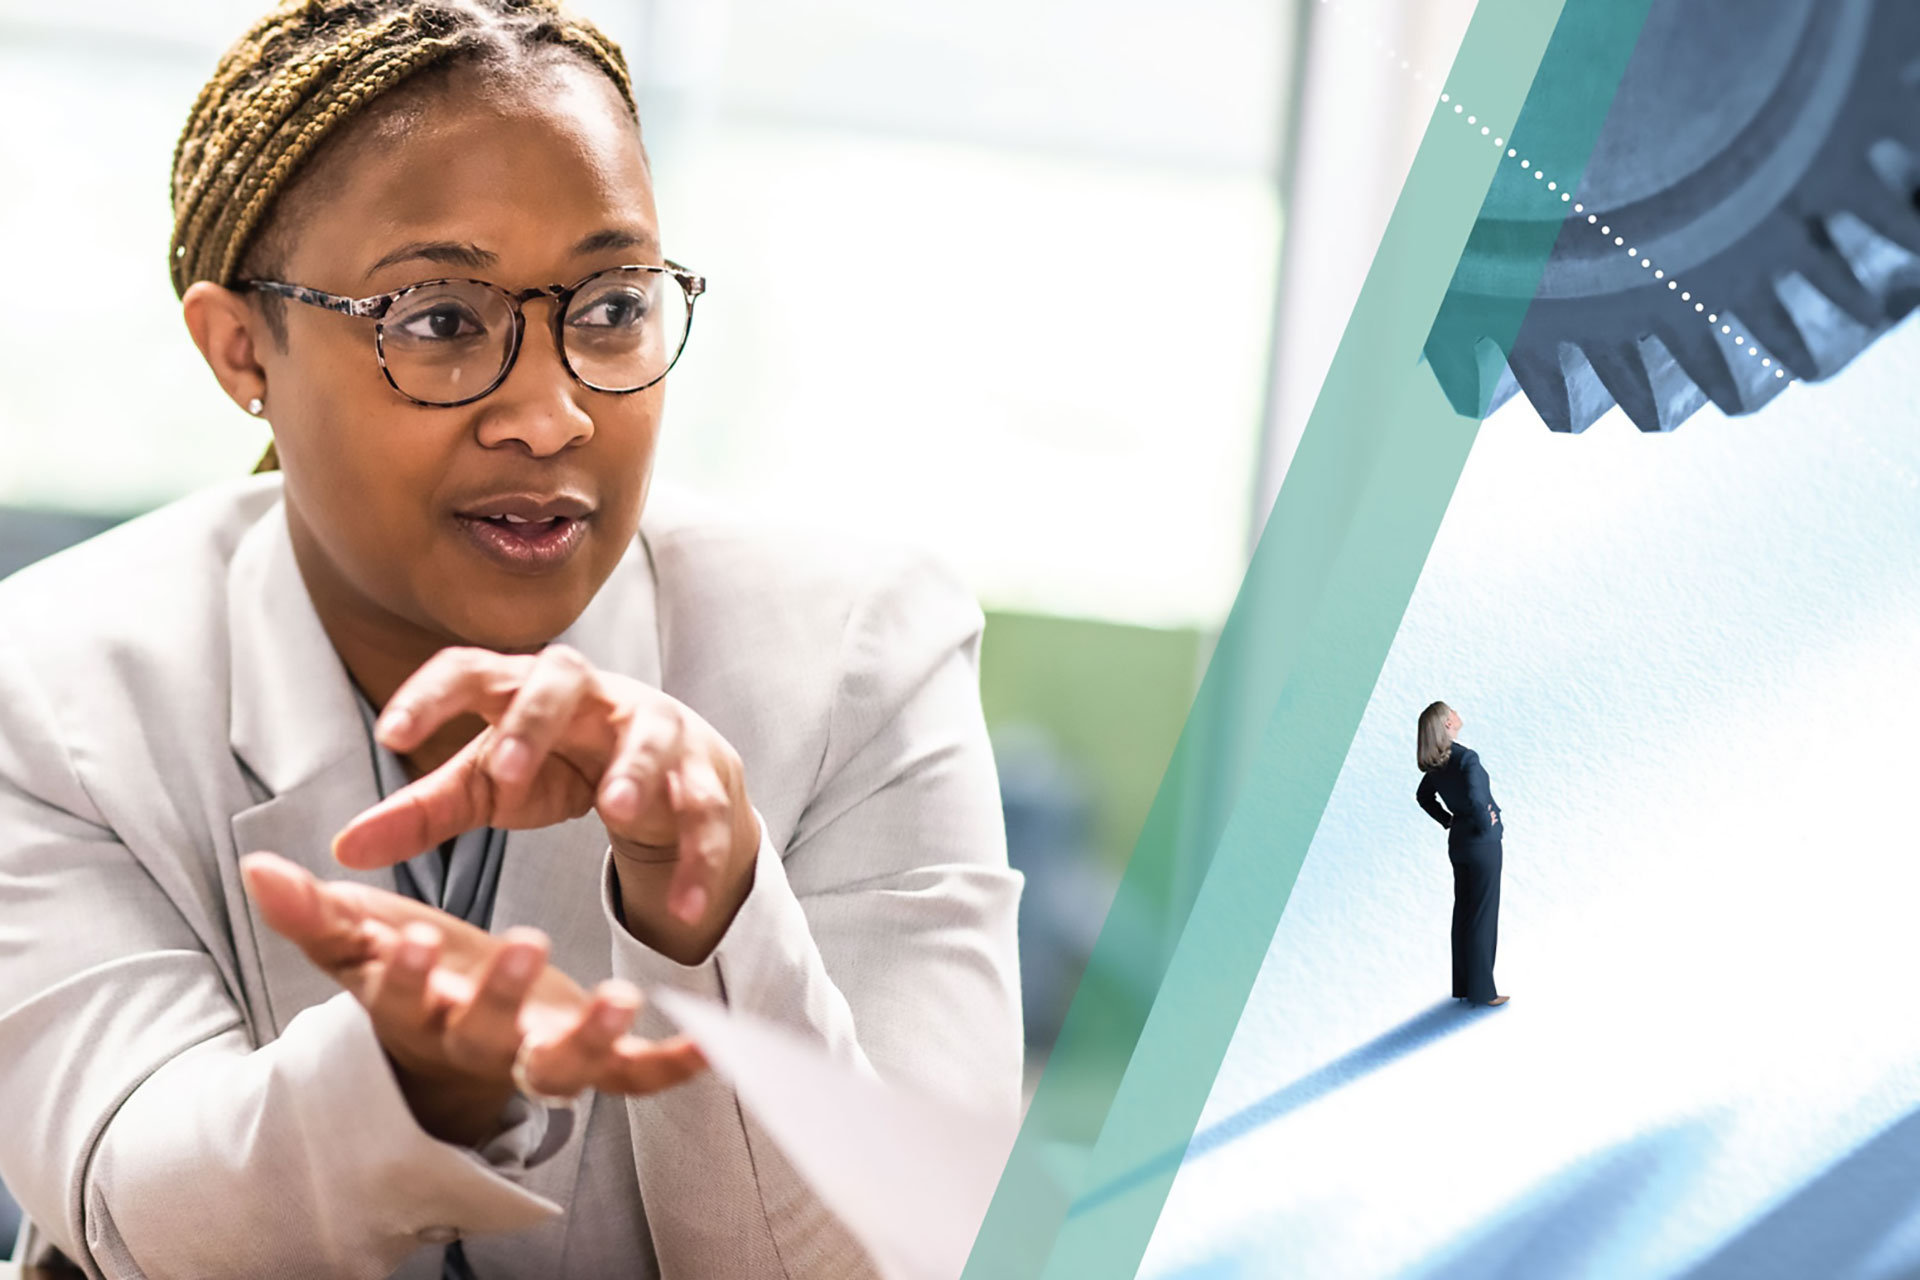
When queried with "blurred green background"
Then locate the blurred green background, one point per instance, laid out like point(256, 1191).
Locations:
point(1110, 696)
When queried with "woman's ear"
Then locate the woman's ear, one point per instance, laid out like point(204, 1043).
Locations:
point(226, 329)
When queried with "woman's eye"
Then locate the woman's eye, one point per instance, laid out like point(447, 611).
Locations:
point(442, 323)
point(615, 309)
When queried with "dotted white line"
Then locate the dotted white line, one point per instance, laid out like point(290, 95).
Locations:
point(1566, 197)
point(1620, 242)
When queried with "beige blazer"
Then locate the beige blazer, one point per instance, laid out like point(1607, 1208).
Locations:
point(183, 1095)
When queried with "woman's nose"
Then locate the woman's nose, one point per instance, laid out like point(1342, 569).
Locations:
point(538, 405)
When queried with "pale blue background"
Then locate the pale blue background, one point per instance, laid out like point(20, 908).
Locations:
point(1688, 662)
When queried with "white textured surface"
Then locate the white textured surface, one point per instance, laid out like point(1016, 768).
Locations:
point(1688, 663)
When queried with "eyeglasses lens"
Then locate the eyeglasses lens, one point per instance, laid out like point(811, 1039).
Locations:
point(447, 343)
point(444, 343)
point(624, 328)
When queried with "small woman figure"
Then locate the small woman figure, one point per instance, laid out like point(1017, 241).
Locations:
point(1452, 774)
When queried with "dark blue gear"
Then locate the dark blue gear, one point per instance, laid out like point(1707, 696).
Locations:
point(1765, 154)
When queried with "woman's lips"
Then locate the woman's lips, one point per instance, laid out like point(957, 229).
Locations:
point(525, 546)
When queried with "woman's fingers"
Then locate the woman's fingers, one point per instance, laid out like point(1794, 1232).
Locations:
point(579, 1057)
point(325, 921)
point(634, 782)
point(531, 704)
point(483, 1033)
point(648, 1066)
point(455, 798)
point(399, 995)
point(287, 896)
point(550, 695)
point(599, 1053)
point(424, 990)
point(705, 812)
point(451, 683)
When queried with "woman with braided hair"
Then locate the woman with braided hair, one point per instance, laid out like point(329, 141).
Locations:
point(348, 810)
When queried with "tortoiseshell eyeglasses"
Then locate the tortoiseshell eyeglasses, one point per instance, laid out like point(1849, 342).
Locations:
point(450, 342)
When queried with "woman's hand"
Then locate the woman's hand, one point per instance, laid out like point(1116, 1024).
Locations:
point(563, 738)
point(451, 1003)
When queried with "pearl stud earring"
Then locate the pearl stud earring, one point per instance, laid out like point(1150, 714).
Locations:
point(256, 406)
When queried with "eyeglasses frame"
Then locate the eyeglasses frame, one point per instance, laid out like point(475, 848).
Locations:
point(377, 306)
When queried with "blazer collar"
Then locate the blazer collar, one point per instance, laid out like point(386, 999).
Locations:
point(296, 725)
point(293, 713)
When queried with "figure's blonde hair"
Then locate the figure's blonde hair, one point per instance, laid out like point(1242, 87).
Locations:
point(312, 66)
point(1435, 744)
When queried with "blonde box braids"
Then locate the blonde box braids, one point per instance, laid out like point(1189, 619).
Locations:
point(307, 68)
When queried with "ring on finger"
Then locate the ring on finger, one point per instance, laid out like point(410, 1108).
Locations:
point(519, 1077)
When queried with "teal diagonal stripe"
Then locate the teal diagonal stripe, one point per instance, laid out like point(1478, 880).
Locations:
point(1283, 696)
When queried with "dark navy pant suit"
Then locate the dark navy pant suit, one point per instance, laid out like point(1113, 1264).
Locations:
point(1472, 820)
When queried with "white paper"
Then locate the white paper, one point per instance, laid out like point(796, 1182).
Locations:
point(910, 1177)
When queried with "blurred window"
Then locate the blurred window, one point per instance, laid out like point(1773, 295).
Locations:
point(995, 276)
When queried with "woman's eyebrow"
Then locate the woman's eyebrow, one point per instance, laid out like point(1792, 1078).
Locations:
point(474, 258)
point(449, 252)
point(617, 238)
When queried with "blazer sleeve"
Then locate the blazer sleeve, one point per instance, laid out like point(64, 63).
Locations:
point(886, 933)
point(138, 1112)
point(1429, 798)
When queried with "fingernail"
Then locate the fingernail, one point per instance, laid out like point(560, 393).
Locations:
point(693, 903)
point(623, 798)
point(519, 965)
point(413, 953)
point(512, 760)
point(395, 721)
point(615, 1018)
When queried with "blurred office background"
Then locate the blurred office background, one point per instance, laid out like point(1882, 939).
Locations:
point(1047, 286)
point(1009, 279)
point(995, 278)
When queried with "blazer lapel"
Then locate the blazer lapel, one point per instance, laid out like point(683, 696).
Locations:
point(295, 725)
point(550, 877)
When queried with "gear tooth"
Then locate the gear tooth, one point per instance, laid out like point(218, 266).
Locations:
point(1505, 387)
point(1890, 214)
point(1763, 387)
point(1587, 397)
point(1624, 375)
point(1490, 370)
point(1888, 271)
point(1828, 271)
point(1834, 336)
point(1544, 385)
point(1676, 395)
point(1694, 350)
point(1893, 163)
point(1458, 373)
point(1758, 384)
point(1768, 320)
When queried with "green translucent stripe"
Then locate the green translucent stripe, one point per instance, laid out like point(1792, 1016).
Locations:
point(1296, 661)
